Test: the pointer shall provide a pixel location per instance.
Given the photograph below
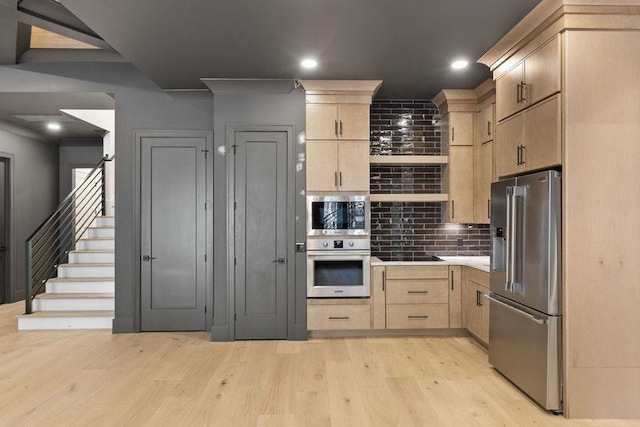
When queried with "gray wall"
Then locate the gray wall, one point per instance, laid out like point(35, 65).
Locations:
point(34, 170)
point(139, 105)
point(77, 153)
point(264, 110)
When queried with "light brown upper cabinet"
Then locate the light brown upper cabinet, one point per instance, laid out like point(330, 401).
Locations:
point(339, 121)
point(458, 182)
point(483, 177)
point(530, 140)
point(484, 124)
point(337, 165)
point(460, 130)
point(529, 81)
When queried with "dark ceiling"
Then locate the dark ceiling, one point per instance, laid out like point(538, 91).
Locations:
point(32, 111)
point(407, 43)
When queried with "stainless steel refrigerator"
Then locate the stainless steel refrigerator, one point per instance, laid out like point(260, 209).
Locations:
point(525, 326)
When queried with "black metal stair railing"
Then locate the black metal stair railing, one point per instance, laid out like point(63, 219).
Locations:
point(50, 244)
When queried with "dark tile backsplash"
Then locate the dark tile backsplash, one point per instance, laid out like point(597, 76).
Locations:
point(405, 231)
point(405, 127)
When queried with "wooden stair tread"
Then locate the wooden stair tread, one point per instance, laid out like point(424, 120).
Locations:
point(75, 295)
point(82, 279)
point(96, 313)
point(89, 264)
point(93, 251)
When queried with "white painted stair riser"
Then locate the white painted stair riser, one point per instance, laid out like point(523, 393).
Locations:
point(79, 257)
point(105, 221)
point(80, 287)
point(79, 270)
point(100, 232)
point(98, 244)
point(57, 323)
point(73, 304)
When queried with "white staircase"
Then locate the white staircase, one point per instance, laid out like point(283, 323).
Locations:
point(82, 296)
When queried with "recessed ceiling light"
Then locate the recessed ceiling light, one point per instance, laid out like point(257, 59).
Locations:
point(309, 63)
point(53, 126)
point(459, 64)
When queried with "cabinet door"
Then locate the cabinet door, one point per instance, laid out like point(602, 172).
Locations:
point(455, 297)
point(542, 72)
point(542, 135)
point(507, 93)
point(460, 185)
point(378, 298)
point(474, 321)
point(353, 162)
point(353, 121)
point(460, 128)
point(509, 135)
point(322, 165)
point(483, 177)
point(322, 121)
point(484, 124)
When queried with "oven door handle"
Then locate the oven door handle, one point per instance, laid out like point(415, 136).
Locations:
point(338, 254)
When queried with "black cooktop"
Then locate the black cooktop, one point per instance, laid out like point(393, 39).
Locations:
point(402, 258)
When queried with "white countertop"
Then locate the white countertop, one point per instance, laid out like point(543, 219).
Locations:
point(479, 262)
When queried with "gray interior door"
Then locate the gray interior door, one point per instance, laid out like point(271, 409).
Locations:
point(173, 233)
point(4, 264)
point(260, 177)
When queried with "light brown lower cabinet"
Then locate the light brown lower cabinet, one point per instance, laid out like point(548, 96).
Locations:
point(416, 297)
point(475, 305)
point(338, 317)
point(417, 316)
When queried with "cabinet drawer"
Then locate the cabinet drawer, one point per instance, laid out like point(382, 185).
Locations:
point(338, 317)
point(433, 291)
point(417, 316)
point(417, 272)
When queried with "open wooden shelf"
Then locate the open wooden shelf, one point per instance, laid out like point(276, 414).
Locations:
point(441, 197)
point(408, 160)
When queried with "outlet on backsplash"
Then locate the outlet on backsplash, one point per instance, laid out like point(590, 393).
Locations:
point(406, 230)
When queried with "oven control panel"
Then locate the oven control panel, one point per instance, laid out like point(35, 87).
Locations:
point(338, 244)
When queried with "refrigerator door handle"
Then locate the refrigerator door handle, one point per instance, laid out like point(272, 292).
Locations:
point(507, 285)
point(516, 240)
point(515, 310)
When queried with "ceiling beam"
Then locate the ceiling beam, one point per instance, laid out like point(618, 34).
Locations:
point(55, 27)
point(8, 32)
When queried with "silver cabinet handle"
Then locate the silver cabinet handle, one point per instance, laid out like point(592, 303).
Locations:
point(383, 279)
point(453, 133)
point(417, 292)
point(338, 317)
point(335, 127)
point(335, 178)
point(489, 128)
point(453, 209)
point(521, 313)
point(518, 93)
point(523, 86)
point(417, 317)
point(340, 178)
point(489, 208)
point(451, 273)
point(340, 127)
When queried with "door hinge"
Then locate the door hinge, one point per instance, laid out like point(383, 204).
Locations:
point(205, 206)
point(205, 257)
point(205, 308)
point(235, 317)
point(235, 206)
point(234, 149)
point(235, 261)
point(205, 153)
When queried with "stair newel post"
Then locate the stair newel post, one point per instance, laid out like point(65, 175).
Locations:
point(28, 278)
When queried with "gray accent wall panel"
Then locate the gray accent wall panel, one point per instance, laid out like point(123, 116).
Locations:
point(140, 105)
point(77, 153)
point(34, 170)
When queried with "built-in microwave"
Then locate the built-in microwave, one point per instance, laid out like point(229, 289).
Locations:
point(338, 215)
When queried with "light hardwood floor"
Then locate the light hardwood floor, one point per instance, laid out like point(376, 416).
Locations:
point(94, 378)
